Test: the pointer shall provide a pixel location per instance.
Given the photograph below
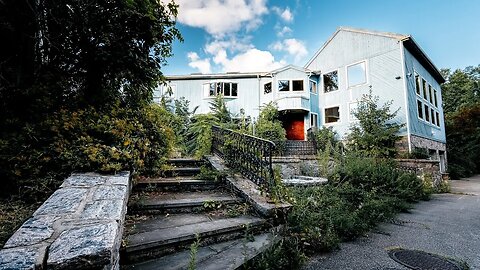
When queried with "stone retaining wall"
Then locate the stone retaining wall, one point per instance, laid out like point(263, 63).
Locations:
point(79, 227)
point(422, 167)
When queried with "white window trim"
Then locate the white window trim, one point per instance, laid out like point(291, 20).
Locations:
point(323, 81)
point(366, 74)
point(290, 86)
point(325, 118)
point(350, 119)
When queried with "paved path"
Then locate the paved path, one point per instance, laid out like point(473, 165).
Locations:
point(447, 225)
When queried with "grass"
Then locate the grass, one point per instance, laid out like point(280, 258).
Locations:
point(13, 212)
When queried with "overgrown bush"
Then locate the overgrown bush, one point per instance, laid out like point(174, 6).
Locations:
point(87, 140)
point(380, 176)
point(269, 127)
point(376, 132)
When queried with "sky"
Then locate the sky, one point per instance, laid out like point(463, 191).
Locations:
point(262, 35)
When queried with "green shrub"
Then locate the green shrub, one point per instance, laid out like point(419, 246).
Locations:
point(375, 133)
point(269, 127)
point(88, 140)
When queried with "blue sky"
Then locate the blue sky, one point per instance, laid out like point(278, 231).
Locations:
point(261, 35)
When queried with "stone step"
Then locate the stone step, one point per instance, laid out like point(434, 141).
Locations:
point(175, 184)
point(185, 162)
point(181, 202)
point(165, 235)
point(181, 171)
point(223, 256)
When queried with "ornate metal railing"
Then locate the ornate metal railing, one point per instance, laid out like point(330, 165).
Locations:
point(250, 155)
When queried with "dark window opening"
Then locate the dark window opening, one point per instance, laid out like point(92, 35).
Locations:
point(419, 109)
point(267, 88)
point(297, 85)
point(330, 81)
point(427, 113)
point(332, 115)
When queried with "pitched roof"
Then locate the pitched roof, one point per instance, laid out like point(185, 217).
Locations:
point(407, 40)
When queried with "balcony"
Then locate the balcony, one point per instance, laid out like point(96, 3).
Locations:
point(296, 103)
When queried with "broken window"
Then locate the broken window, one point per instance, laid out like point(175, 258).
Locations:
point(430, 94)
point(438, 118)
point(433, 116)
point(424, 85)
point(267, 88)
point(332, 115)
point(313, 119)
point(283, 85)
point(330, 81)
point(435, 98)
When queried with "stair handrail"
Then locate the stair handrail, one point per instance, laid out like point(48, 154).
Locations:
point(251, 155)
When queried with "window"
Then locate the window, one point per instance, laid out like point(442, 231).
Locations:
point(420, 109)
point(226, 89)
point(433, 116)
point(330, 81)
point(332, 115)
point(435, 98)
point(424, 85)
point(283, 85)
point(267, 88)
point(427, 113)
point(417, 83)
point(352, 107)
point(313, 119)
point(430, 94)
point(313, 87)
point(297, 85)
point(234, 89)
point(356, 74)
point(438, 118)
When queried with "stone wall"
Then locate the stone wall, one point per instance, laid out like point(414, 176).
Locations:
point(422, 167)
point(420, 142)
point(299, 165)
point(79, 227)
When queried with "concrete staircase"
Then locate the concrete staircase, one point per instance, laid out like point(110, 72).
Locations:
point(167, 214)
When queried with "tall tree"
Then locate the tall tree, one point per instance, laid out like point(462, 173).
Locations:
point(77, 53)
point(461, 103)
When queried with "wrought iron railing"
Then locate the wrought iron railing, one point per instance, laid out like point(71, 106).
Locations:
point(252, 156)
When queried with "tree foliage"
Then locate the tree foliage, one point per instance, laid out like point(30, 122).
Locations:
point(461, 103)
point(83, 53)
point(76, 82)
point(376, 131)
point(461, 89)
point(269, 127)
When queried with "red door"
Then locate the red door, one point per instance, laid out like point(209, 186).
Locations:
point(294, 126)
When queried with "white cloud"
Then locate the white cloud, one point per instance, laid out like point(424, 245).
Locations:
point(220, 17)
point(203, 65)
point(284, 31)
point(284, 14)
point(252, 60)
point(292, 46)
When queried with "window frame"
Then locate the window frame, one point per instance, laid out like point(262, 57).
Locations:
point(366, 74)
point(325, 115)
point(217, 90)
point(323, 81)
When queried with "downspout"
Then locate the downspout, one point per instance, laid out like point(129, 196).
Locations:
point(405, 86)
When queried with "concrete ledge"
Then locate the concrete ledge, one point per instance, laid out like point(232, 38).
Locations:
point(79, 227)
point(250, 191)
